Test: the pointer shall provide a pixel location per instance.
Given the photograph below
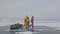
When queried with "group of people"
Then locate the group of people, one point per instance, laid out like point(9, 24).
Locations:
point(27, 22)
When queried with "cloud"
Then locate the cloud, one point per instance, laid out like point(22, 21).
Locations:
point(54, 9)
point(38, 8)
point(7, 8)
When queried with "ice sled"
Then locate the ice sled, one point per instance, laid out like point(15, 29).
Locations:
point(16, 26)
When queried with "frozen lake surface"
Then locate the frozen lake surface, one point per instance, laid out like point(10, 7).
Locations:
point(40, 27)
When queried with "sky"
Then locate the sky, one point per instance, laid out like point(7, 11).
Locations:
point(37, 8)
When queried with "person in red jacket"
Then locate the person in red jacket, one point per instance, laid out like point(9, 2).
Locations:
point(32, 21)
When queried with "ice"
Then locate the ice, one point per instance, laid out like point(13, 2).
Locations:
point(55, 24)
point(26, 32)
point(40, 27)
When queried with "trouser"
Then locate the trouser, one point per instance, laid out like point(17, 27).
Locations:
point(26, 25)
point(32, 24)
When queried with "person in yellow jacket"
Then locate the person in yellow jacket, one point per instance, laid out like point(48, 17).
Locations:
point(26, 20)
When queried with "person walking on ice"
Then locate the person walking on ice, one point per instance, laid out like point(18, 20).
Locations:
point(26, 21)
point(32, 21)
